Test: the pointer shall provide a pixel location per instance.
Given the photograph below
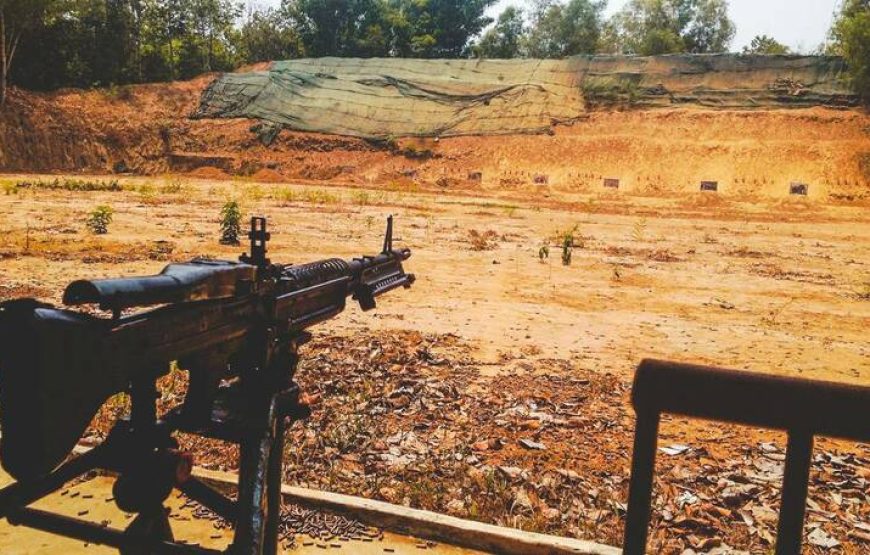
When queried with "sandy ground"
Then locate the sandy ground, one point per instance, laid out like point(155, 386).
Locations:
point(778, 288)
point(775, 286)
point(92, 501)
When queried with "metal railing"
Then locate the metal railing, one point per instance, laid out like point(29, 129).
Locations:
point(803, 408)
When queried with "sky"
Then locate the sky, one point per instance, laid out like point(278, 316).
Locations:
point(799, 24)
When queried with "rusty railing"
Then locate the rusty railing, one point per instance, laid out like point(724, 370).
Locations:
point(803, 408)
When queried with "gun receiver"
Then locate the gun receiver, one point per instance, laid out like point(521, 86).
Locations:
point(234, 326)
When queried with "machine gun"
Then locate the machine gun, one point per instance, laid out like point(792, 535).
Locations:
point(236, 327)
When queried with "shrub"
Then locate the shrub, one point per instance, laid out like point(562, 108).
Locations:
point(72, 185)
point(231, 223)
point(286, 195)
point(255, 193)
point(99, 219)
point(172, 187)
point(147, 193)
point(361, 198)
point(567, 241)
point(316, 196)
point(850, 38)
point(567, 248)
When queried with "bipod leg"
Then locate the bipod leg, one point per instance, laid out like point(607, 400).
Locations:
point(253, 503)
point(273, 485)
point(153, 525)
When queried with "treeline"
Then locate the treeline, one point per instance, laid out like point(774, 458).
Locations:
point(553, 29)
point(89, 43)
point(47, 44)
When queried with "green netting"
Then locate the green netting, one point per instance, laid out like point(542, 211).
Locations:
point(383, 97)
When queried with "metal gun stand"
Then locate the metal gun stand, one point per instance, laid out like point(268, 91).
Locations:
point(253, 412)
point(803, 408)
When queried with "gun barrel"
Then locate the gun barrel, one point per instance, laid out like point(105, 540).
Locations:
point(374, 276)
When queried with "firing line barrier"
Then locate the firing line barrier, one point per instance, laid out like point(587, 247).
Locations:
point(802, 408)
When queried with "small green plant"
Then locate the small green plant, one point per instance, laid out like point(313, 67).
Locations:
point(544, 253)
point(147, 193)
point(99, 219)
point(362, 198)
point(231, 223)
point(172, 187)
point(255, 193)
point(316, 196)
point(286, 195)
point(567, 241)
point(567, 249)
point(10, 188)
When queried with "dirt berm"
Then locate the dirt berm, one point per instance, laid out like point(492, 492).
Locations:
point(659, 125)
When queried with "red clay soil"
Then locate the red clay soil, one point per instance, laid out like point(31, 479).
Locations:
point(147, 130)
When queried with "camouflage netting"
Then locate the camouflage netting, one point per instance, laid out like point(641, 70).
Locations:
point(389, 97)
point(401, 97)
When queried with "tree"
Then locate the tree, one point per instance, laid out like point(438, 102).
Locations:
point(348, 28)
point(850, 38)
point(435, 28)
point(650, 27)
point(543, 39)
point(166, 21)
point(114, 42)
point(559, 30)
point(265, 37)
point(581, 26)
point(709, 28)
point(214, 23)
point(17, 18)
point(762, 44)
point(504, 39)
point(137, 12)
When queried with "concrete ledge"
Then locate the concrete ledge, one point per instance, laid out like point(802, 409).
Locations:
point(427, 524)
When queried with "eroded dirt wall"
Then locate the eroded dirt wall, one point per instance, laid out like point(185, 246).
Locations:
point(147, 130)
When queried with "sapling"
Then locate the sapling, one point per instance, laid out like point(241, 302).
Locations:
point(99, 219)
point(231, 223)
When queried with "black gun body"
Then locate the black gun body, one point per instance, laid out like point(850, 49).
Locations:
point(45, 412)
point(237, 321)
point(110, 352)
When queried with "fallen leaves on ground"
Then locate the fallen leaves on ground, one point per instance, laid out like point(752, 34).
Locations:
point(541, 445)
